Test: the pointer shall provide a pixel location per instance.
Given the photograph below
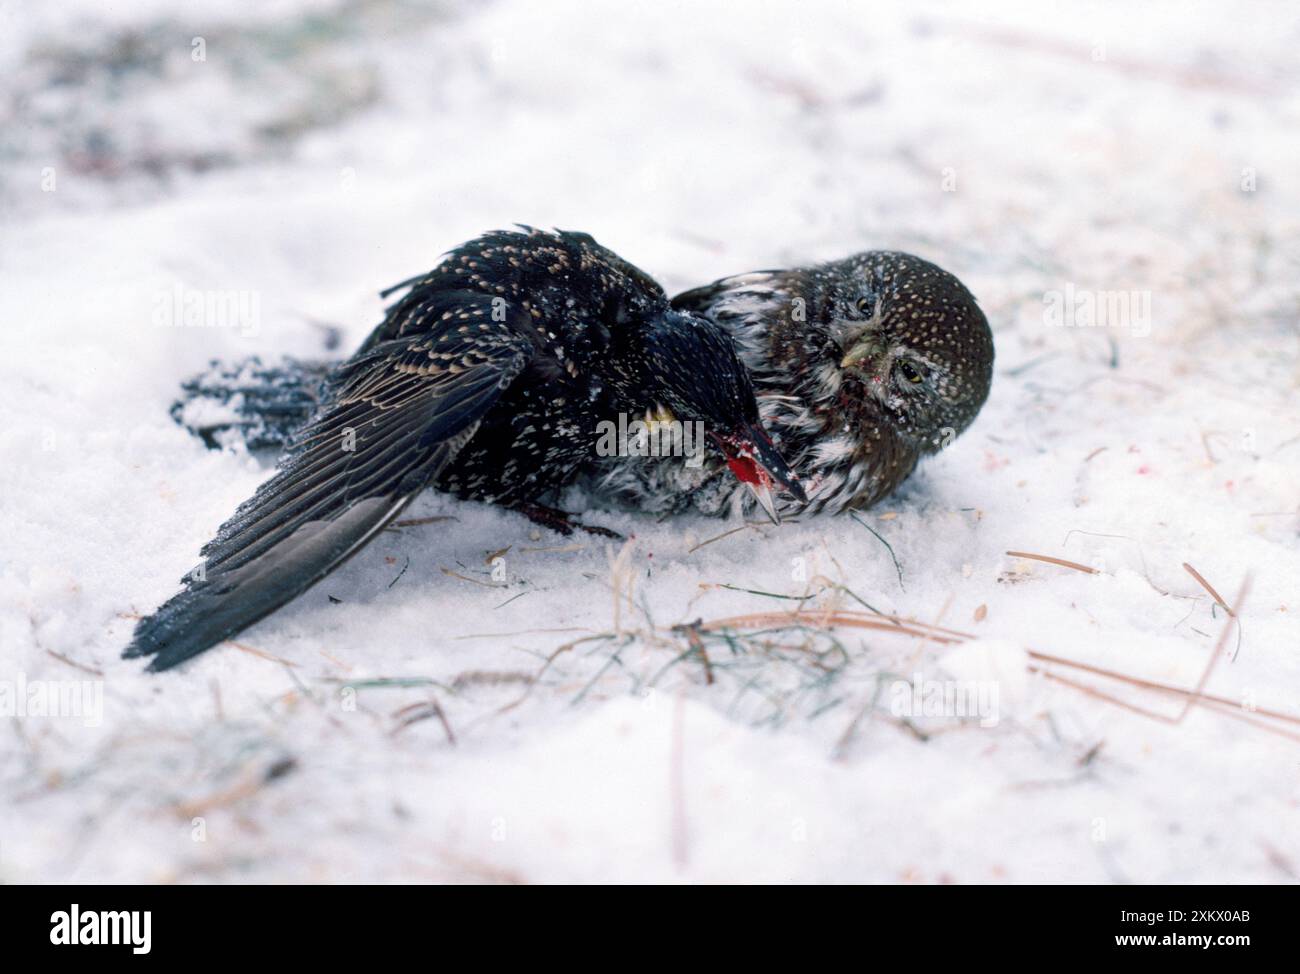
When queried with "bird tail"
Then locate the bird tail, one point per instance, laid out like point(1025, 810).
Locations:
point(389, 422)
point(212, 610)
point(259, 405)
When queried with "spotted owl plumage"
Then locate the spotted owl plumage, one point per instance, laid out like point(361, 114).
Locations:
point(862, 366)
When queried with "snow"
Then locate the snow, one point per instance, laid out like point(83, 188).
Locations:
point(322, 152)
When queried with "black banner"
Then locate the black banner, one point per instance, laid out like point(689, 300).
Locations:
point(215, 924)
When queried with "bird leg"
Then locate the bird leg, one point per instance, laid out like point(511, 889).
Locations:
point(560, 521)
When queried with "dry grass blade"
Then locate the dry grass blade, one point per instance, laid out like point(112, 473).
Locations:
point(898, 569)
point(1233, 711)
point(1155, 685)
point(1054, 561)
point(473, 581)
point(622, 581)
point(938, 634)
point(1218, 649)
point(929, 631)
point(250, 784)
point(823, 620)
point(417, 712)
point(537, 678)
point(1102, 695)
point(697, 644)
point(1209, 588)
point(1225, 707)
point(719, 537)
point(74, 664)
point(520, 632)
point(261, 654)
point(1190, 698)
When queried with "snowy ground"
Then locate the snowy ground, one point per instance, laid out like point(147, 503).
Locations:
point(418, 718)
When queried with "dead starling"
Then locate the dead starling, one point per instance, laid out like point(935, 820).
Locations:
point(488, 379)
point(862, 366)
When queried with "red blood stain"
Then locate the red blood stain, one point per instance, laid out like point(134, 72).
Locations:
point(745, 470)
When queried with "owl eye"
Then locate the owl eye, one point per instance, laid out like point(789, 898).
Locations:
point(866, 305)
point(910, 372)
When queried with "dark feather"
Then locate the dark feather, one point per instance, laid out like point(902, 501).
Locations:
point(408, 406)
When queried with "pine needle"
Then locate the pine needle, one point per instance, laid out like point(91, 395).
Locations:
point(1054, 561)
point(897, 567)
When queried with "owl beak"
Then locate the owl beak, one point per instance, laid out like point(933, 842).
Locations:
point(864, 342)
point(860, 352)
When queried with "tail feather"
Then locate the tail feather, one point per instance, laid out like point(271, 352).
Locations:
point(217, 609)
point(259, 405)
point(391, 420)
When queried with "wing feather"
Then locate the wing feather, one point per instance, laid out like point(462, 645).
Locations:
point(391, 419)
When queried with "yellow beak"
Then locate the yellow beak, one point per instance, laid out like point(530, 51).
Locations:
point(860, 351)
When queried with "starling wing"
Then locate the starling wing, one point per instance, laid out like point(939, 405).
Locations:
point(391, 419)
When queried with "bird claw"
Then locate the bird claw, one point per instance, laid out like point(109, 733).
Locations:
point(562, 522)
